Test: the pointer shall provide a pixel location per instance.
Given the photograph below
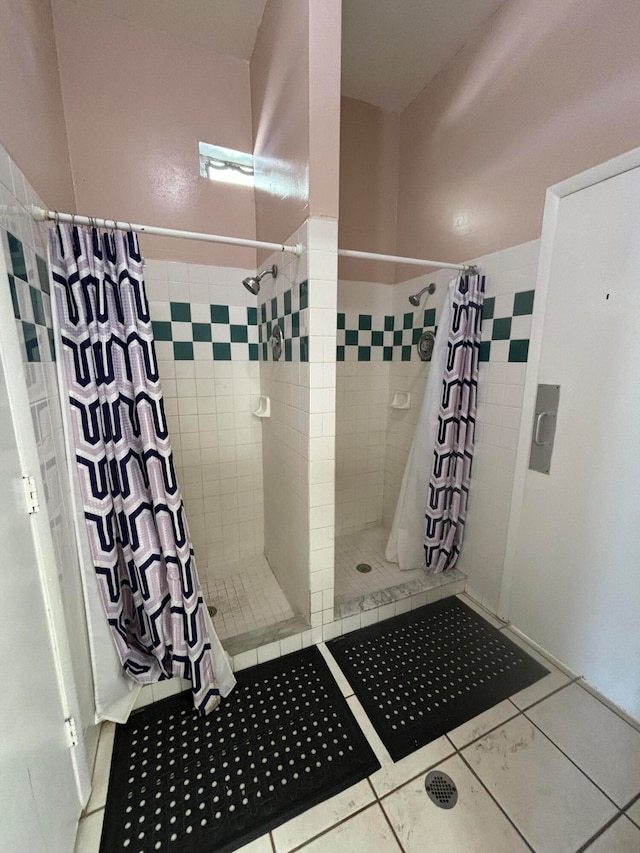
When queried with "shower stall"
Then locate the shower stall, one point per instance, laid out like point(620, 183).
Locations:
point(381, 379)
point(207, 331)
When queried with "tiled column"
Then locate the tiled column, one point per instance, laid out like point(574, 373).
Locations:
point(322, 237)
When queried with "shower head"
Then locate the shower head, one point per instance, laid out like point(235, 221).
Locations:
point(416, 297)
point(252, 283)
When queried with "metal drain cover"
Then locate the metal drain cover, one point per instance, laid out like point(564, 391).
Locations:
point(363, 567)
point(212, 610)
point(441, 789)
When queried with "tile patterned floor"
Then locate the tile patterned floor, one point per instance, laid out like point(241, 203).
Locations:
point(246, 594)
point(547, 770)
point(366, 546)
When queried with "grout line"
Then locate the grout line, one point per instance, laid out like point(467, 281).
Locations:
point(600, 832)
point(421, 773)
point(273, 844)
point(632, 802)
point(462, 757)
point(568, 757)
point(485, 733)
point(333, 825)
point(93, 811)
point(543, 698)
point(395, 834)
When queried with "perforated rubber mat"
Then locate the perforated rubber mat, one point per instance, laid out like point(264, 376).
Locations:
point(283, 741)
point(421, 674)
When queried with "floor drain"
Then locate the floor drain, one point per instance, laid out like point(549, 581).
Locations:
point(212, 610)
point(441, 789)
point(363, 567)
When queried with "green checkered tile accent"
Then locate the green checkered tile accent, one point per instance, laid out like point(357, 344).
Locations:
point(28, 281)
point(200, 332)
point(372, 337)
point(506, 327)
point(289, 310)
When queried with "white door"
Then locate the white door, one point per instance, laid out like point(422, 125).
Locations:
point(39, 806)
point(576, 561)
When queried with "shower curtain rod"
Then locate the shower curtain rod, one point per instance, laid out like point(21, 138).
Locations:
point(42, 215)
point(397, 259)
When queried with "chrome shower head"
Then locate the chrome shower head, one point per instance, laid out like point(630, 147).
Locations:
point(252, 283)
point(416, 297)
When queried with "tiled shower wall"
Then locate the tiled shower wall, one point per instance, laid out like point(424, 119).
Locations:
point(362, 400)
point(409, 376)
point(377, 332)
point(299, 437)
point(24, 244)
point(206, 332)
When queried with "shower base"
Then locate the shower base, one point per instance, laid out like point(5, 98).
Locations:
point(356, 591)
point(247, 597)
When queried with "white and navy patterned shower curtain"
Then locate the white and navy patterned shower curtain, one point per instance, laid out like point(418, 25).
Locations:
point(135, 518)
point(448, 493)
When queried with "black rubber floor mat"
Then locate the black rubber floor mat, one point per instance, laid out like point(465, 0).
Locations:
point(421, 674)
point(283, 741)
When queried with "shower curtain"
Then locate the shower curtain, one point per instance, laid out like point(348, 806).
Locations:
point(136, 530)
point(453, 454)
point(406, 539)
point(428, 525)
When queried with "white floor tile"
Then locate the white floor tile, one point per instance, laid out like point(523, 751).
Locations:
point(634, 722)
point(634, 812)
point(600, 743)
point(541, 688)
point(551, 802)
point(621, 837)
point(338, 674)
point(393, 774)
point(89, 832)
point(321, 817)
point(481, 724)
point(260, 845)
point(363, 833)
point(102, 767)
point(474, 824)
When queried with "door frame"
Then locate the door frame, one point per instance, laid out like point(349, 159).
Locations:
point(42, 538)
point(554, 194)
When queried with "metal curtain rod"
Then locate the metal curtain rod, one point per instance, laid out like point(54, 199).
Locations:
point(42, 215)
point(417, 262)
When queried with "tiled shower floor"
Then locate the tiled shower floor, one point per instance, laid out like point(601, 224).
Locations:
point(246, 594)
point(385, 582)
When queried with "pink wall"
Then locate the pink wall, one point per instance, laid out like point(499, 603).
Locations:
point(137, 103)
point(295, 96)
point(280, 104)
point(32, 125)
point(369, 156)
point(544, 90)
point(325, 44)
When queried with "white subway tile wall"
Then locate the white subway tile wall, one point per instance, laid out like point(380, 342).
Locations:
point(211, 389)
point(299, 438)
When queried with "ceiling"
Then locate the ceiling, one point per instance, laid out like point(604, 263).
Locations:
point(226, 26)
point(391, 49)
